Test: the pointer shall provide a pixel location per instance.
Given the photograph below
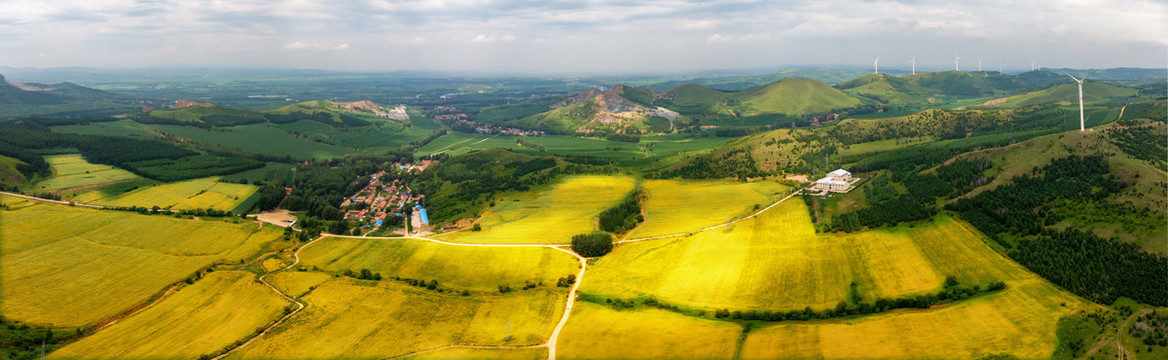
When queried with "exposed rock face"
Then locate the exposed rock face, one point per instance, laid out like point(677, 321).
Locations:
point(612, 103)
point(181, 104)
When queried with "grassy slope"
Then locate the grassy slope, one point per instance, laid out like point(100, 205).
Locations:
point(265, 139)
point(418, 259)
point(794, 96)
point(1146, 192)
point(888, 89)
point(184, 195)
point(216, 311)
point(1093, 92)
point(679, 206)
point(8, 173)
point(359, 319)
point(71, 266)
point(72, 170)
point(551, 216)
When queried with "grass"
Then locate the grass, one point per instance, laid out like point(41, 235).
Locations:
point(424, 260)
point(223, 307)
point(550, 216)
point(776, 261)
point(677, 206)
point(70, 266)
point(1019, 321)
point(200, 193)
point(598, 332)
point(348, 318)
point(8, 173)
point(72, 171)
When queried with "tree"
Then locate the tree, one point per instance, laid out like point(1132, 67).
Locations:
point(339, 227)
point(592, 245)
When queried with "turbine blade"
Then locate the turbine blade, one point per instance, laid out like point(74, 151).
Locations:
point(1089, 75)
point(1072, 76)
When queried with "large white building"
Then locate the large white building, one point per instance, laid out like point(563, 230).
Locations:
point(835, 181)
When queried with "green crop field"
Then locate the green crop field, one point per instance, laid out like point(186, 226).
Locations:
point(272, 172)
point(72, 171)
point(648, 152)
point(450, 265)
point(71, 266)
point(1019, 321)
point(112, 128)
point(348, 318)
point(678, 206)
point(190, 194)
point(264, 138)
point(221, 308)
point(597, 332)
point(549, 216)
point(777, 261)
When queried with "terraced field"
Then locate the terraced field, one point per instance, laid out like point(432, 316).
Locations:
point(218, 310)
point(72, 170)
point(1019, 321)
point(598, 332)
point(348, 318)
point(184, 195)
point(71, 266)
point(777, 261)
point(677, 206)
point(550, 216)
point(462, 267)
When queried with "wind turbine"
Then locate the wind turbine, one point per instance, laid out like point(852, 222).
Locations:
point(956, 62)
point(1082, 126)
point(1031, 64)
point(1000, 67)
point(876, 64)
point(979, 64)
point(914, 64)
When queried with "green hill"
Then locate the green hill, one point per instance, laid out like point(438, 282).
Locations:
point(345, 115)
point(31, 99)
point(622, 109)
point(969, 84)
point(1093, 92)
point(695, 99)
point(887, 89)
point(793, 96)
point(203, 114)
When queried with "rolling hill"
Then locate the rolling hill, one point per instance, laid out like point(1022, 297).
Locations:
point(31, 99)
point(794, 96)
point(621, 109)
point(334, 114)
point(1093, 92)
point(888, 89)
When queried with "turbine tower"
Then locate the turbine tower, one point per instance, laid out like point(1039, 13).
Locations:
point(875, 64)
point(1000, 67)
point(979, 64)
point(1082, 126)
point(1031, 64)
point(914, 64)
point(956, 62)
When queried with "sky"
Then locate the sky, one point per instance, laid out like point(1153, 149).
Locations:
point(593, 37)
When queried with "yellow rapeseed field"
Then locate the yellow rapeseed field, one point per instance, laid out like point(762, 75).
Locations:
point(72, 266)
point(72, 170)
point(220, 309)
point(551, 216)
point(678, 206)
point(474, 268)
point(597, 332)
point(184, 195)
point(348, 318)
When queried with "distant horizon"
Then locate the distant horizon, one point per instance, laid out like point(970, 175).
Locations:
point(571, 37)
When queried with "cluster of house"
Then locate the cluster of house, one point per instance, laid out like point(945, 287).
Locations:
point(838, 181)
point(491, 129)
point(381, 199)
point(415, 167)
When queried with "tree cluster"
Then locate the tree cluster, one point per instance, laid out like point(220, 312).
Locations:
point(624, 216)
point(592, 245)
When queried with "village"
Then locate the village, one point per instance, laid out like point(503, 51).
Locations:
point(386, 203)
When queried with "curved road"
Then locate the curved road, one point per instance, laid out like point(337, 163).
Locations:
point(553, 340)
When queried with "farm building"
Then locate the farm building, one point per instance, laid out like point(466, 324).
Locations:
point(839, 181)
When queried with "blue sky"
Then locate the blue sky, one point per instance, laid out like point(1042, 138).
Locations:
point(564, 37)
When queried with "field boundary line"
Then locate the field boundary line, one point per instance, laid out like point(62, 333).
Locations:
point(300, 305)
point(488, 347)
point(58, 202)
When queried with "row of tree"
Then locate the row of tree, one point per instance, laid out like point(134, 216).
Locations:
point(624, 216)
